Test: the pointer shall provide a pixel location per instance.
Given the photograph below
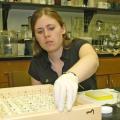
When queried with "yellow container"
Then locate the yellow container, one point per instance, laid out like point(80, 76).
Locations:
point(98, 95)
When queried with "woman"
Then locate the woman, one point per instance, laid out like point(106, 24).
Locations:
point(60, 61)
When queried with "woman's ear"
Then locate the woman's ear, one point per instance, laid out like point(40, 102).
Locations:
point(63, 30)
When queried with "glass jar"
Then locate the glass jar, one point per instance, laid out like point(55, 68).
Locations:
point(8, 43)
point(25, 40)
point(24, 31)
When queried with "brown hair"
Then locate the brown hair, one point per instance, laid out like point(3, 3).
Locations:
point(52, 13)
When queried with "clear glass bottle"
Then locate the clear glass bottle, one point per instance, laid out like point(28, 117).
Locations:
point(8, 41)
point(25, 40)
point(24, 31)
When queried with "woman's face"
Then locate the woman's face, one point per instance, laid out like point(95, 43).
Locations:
point(49, 33)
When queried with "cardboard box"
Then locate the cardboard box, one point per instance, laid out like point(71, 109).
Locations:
point(37, 103)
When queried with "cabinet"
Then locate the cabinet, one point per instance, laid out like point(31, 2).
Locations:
point(14, 73)
point(108, 73)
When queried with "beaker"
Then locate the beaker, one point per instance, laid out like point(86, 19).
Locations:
point(8, 41)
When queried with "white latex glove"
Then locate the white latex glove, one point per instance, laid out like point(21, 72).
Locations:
point(65, 90)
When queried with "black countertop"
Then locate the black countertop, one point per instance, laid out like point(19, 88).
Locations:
point(5, 58)
point(108, 55)
point(115, 115)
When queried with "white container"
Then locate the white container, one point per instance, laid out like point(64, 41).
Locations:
point(42, 2)
point(63, 2)
point(104, 5)
point(92, 3)
point(26, 1)
point(50, 2)
point(118, 100)
point(21, 49)
point(35, 1)
point(11, 0)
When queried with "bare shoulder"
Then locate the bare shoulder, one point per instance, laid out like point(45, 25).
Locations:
point(87, 49)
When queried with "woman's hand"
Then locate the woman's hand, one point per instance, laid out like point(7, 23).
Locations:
point(65, 89)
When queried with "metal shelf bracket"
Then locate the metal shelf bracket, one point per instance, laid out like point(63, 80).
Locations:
point(5, 11)
point(88, 15)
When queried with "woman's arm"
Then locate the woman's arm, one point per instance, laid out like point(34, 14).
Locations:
point(66, 86)
point(35, 82)
point(88, 63)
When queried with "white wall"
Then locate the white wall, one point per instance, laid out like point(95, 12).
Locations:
point(18, 17)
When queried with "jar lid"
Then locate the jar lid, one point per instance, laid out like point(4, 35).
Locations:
point(106, 109)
